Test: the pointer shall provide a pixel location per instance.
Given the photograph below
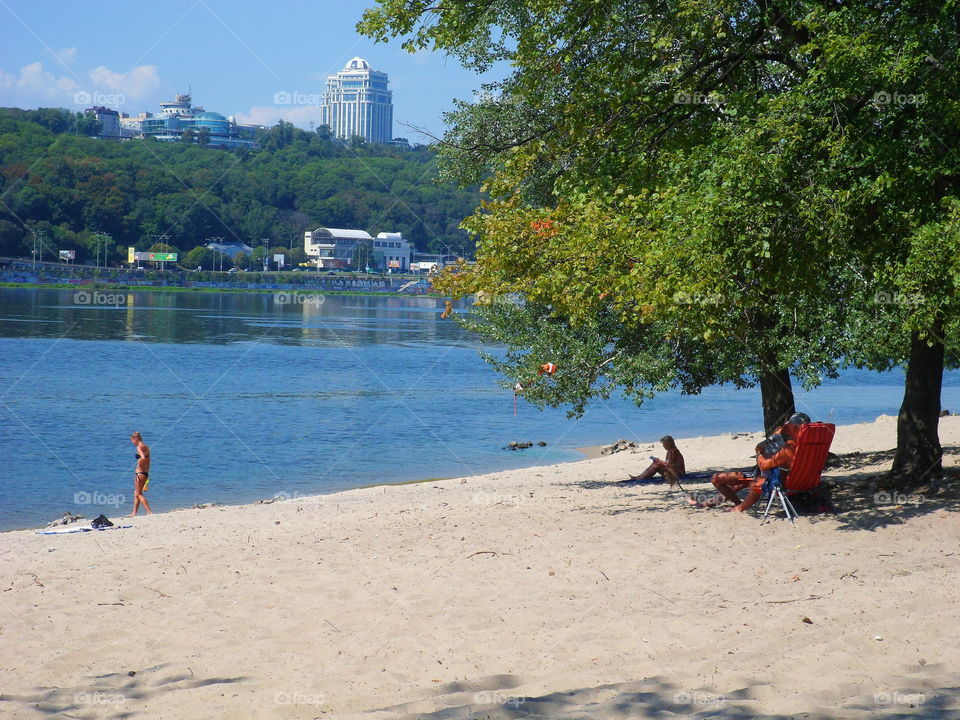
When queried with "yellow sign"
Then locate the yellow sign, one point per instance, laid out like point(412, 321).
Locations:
point(130, 254)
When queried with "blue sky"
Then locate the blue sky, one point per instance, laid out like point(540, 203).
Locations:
point(239, 57)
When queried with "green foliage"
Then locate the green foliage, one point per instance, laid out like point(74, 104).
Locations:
point(53, 178)
point(733, 178)
point(206, 258)
point(362, 255)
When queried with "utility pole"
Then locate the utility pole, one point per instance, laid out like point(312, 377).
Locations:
point(161, 238)
point(266, 249)
point(38, 239)
point(216, 240)
point(106, 239)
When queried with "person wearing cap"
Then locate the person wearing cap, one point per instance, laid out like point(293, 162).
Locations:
point(777, 452)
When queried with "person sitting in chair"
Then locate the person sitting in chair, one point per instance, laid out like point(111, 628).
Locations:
point(671, 467)
point(775, 452)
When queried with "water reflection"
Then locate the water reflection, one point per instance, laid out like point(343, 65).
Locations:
point(220, 318)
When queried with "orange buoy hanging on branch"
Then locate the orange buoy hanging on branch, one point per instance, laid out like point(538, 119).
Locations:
point(546, 369)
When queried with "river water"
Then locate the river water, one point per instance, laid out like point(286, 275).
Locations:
point(244, 396)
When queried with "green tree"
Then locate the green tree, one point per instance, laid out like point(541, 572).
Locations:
point(362, 257)
point(712, 178)
point(296, 256)
point(279, 250)
point(256, 258)
point(205, 258)
point(87, 124)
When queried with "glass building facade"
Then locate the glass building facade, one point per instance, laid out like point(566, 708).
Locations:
point(178, 116)
point(358, 103)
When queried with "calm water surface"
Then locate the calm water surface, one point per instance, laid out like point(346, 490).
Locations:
point(241, 397)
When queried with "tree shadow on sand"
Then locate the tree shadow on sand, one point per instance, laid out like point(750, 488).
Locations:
point(112, 696)
point(858, 497)
point(662, 698)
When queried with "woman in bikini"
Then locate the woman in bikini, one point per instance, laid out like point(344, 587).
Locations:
point(142, 475)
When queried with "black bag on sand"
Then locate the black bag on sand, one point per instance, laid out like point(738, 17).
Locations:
point(815, 502)
point(101, 522)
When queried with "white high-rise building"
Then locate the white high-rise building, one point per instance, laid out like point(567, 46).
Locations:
point(357, 102)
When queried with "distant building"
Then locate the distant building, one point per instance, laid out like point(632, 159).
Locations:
point(358, 103)
point(109, 122)
point(392, 252)
point(131, 125)
point(334, 247)
point(338, 248)
point(177, 117)
point(231, 248)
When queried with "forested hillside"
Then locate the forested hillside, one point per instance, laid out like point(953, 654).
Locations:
point(53, 178)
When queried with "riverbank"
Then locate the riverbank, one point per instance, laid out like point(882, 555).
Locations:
point(554, 591)
point(120, 287)
point(59, 277)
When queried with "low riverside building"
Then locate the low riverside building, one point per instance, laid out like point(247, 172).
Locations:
point(394, 251)
point(340, 248)
point(335, 247)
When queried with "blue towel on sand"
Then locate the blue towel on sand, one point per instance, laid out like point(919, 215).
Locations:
point(81, 528)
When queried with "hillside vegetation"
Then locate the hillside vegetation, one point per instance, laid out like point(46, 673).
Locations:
point(56, 179)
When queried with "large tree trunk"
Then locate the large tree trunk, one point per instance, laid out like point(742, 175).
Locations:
point(919, 456)
point(776, 392)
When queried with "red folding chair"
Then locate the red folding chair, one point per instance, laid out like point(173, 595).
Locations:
point(813, 445)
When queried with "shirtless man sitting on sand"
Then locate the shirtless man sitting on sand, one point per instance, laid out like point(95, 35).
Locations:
point(728, 484)
point(141, 475)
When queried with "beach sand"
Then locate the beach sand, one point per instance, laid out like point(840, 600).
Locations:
point(546, 592)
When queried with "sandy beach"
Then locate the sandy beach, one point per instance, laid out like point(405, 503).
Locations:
point(547, 592)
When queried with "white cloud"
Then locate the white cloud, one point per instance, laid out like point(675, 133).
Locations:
point(299, 115)
point(67, 56)
point(140, 82)
point(35, 82)
point(35, 86)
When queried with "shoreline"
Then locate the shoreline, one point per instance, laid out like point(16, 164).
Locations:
point(554, 591)
point(109, 287)
point(280, 497)
point(589, 452)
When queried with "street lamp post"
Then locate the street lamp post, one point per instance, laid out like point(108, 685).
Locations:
point(217, 240)
point(102, 238)
point(37, 246)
